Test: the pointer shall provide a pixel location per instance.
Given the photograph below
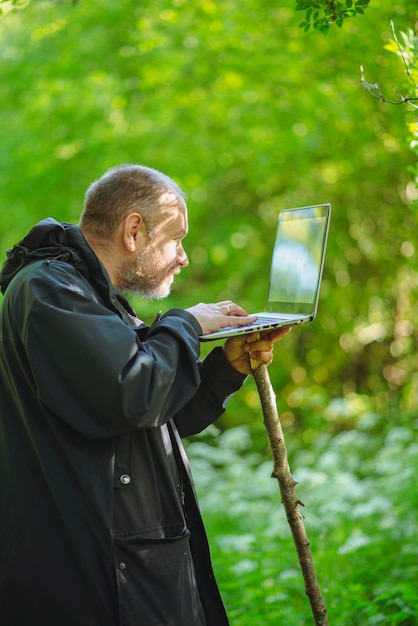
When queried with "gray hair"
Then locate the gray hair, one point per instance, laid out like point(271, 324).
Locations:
point(122, 190)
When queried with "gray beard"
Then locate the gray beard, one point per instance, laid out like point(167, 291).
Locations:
point(136, 277)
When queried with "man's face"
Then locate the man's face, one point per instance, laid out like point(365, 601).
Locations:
point(150, 272)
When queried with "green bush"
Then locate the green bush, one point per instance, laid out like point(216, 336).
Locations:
point(360, 497)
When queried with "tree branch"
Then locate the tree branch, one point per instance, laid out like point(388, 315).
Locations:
point(374, 88)
point(291, 502)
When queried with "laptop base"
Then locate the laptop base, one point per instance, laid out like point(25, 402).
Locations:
point(259, 325)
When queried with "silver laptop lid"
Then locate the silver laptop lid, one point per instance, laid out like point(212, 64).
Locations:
point(298, 259)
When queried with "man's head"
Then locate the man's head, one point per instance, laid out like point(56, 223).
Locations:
point(135, 218)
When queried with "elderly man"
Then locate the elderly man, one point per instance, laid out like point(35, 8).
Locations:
point(99, 521)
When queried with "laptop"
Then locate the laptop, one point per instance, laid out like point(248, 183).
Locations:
point(295, 274)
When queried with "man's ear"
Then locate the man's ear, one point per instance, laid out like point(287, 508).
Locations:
point(133, 232)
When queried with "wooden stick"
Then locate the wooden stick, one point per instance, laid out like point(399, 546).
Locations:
point(291, 502)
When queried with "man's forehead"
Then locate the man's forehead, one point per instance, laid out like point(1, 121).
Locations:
point(173, 210)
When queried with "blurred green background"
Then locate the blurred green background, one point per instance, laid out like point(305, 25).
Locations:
point(250, 115)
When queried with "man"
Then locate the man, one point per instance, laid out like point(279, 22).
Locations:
point(99, 522)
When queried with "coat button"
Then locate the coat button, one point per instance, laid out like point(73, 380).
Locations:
point(125, 479)
point(122, 565)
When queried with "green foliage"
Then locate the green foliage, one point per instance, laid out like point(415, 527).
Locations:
point(405, 47)
point(8, 5)
point(321, 14)
point(359, 491)
point(250, 116)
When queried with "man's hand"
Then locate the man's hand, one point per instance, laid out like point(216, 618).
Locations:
point(213, 317)
point(238, 349)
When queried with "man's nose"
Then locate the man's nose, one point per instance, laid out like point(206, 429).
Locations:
point(182, 257)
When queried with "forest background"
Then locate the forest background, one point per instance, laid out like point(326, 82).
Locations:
point(250, 114)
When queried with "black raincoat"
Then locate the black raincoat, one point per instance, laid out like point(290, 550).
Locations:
point(99, 524)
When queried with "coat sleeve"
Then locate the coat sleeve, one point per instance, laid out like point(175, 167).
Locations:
point(89, 368)
point(219, 380)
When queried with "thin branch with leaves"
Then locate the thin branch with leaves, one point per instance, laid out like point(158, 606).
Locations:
point(406, 52)
point(322, 14)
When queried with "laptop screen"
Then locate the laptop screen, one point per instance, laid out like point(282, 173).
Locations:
point(297, 262)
